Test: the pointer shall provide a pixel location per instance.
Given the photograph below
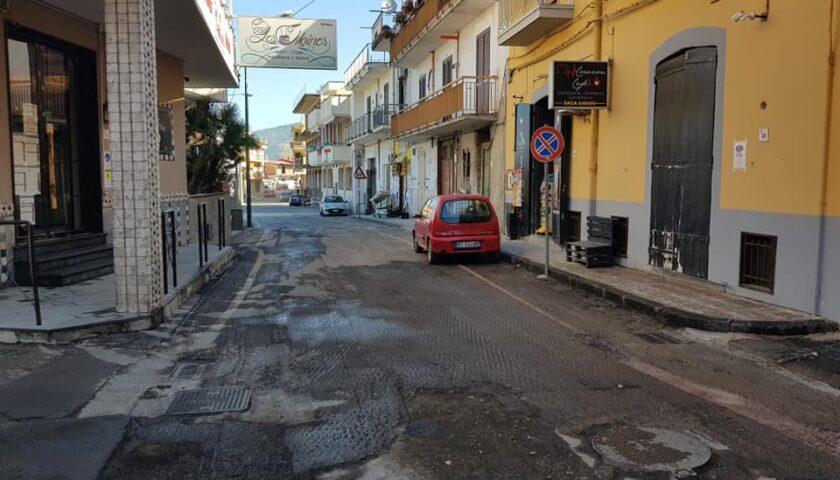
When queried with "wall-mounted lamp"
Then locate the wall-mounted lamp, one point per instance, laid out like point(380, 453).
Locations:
point(742, 15)
point(518, 98)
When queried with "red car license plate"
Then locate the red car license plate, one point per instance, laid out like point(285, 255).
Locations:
point(467, 245)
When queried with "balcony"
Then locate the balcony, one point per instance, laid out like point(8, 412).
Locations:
point(334, 108)
point(336, 155)
point(366, 68)
point(382, 32)
point(372, 126)
point(314, 158)
point(467, 104)
point(298, 147)
point(522, 22)
point(422, 32)
point(313, 120)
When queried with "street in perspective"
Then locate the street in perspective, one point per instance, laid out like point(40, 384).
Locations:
point(511, 239)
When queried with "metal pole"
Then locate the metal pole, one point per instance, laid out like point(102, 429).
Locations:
point(33, 272)
point(247, 154)
point(200, 236)
point(163, 252)
point(547, 220)
point(206, 231)
point(174, 237)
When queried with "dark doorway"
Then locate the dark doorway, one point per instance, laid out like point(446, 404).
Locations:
point(371, 184)
point(540, 116)
point(562, 172)
point(683, 147)
point(55, 134)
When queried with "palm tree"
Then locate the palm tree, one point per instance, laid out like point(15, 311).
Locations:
point(216, 141)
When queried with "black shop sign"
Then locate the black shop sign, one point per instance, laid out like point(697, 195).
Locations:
point(579, 85)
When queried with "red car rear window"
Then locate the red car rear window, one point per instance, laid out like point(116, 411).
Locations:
point(465, 211)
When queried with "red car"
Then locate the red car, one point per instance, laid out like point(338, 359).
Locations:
point(457, 224)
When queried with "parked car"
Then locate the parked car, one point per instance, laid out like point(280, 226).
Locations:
point(334, 205)
point(457, 224)
point(296, 200)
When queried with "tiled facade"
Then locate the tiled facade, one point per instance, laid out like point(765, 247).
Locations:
point(131, 73)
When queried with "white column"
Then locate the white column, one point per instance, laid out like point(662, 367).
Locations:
point(131, 73)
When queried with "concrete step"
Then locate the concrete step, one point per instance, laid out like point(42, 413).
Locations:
point(76, 273)
point(51, 246)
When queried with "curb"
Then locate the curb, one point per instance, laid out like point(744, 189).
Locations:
point(675, 317)
point(131, 324)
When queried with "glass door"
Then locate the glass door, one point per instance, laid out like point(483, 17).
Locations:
point(43, 136)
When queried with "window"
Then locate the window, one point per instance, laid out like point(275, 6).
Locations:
point(446, 70)
point(465, 211)
point(333, 199)
point(467, 164)
point(758, 262)
point(573, 226)
point(422, 86)
point(620, 229)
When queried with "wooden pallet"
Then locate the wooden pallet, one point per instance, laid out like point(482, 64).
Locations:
point(597, 251)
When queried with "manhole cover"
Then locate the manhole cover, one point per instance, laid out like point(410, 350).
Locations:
point(650, 449)
point(661, 337)
point(210, 400)
point(188, 371)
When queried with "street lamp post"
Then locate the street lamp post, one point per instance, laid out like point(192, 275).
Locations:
point(247, 156)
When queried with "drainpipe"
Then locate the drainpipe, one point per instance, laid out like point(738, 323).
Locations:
point(829, 101)
point(598, 26)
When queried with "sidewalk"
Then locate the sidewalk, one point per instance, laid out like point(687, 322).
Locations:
point(675, 300)
point(88, 308)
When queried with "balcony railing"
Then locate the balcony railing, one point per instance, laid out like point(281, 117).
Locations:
point(371, 122)
point(362, 63)
point(382, 32)
point(468, 96)
point(415, 24)
point(314, 157)
point(537, 17)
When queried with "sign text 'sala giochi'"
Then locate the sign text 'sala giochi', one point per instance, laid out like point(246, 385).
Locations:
point(287, 43)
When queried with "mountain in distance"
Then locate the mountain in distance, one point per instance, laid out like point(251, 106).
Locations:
point(274, 137)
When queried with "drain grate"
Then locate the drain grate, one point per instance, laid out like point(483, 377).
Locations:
point(661, 338)
point(188, 371)
point(210, 400)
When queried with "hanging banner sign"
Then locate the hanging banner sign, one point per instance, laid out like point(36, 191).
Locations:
point(271, 42)
point(579, 85)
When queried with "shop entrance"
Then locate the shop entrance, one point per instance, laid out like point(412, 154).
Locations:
point(540, 116)
point(54, 127)
point(683, 148)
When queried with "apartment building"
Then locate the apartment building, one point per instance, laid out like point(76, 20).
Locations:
point(448, 68)
point(336, 156)
point(370, 78)
point(718, 156)
point(94, 95)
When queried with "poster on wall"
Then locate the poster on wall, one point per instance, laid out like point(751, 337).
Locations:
point(579, 85)
point(272, 42)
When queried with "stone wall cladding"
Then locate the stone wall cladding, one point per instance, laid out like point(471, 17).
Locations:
point(180, 203)
point(131, 73)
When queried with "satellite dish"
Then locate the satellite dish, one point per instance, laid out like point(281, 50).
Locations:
point(389, 6)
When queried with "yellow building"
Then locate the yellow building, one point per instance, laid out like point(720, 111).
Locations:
point(719, 152)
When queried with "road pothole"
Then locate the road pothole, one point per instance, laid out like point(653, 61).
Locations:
point(651, 449)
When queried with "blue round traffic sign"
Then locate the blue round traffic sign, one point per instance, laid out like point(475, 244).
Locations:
point(547, 144)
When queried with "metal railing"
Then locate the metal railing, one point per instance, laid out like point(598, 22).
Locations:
point(203, 233)
point(220, 207)
point(512, 11)
point(371, 122)
point(169, 243)
point(465, 96)
point(365, 57)
point(33, 266)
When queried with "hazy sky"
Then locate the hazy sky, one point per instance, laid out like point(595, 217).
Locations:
point(274, 90)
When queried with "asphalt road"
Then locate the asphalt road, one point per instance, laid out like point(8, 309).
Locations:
point(364, 362)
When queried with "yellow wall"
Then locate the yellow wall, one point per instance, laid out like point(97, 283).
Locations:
point(782, 62)
point(173, 174)
point(30, 15)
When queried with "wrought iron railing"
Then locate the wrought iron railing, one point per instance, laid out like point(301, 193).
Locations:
point(371, 122)
point(365, 57)
point(33, 265)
